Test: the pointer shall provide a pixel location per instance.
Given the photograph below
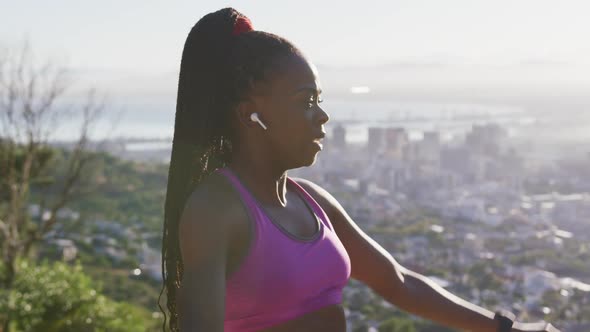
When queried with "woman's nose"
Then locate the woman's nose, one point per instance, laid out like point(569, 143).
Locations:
point(323, 117)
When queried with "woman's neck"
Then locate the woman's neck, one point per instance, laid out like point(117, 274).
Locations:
point(268, 185)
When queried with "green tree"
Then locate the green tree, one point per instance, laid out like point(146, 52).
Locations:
point(31, 110)
point(397, 324)
point(58, 297)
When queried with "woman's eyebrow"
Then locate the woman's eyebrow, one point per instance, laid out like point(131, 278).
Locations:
point(309, 89)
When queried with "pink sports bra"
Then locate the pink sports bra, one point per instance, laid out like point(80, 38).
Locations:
point(283, 276)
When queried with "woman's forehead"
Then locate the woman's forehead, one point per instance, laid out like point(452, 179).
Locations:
point(297, 74)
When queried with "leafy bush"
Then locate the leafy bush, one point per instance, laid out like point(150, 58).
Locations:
point(58, 297)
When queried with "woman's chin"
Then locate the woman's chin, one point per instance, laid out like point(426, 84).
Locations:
point(311, 155)
point(313, 159)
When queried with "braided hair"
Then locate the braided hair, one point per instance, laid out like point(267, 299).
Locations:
point(217, 70)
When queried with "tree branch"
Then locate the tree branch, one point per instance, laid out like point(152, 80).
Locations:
point(28, 116)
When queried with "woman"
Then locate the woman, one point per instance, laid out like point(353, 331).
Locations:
point(245, 247)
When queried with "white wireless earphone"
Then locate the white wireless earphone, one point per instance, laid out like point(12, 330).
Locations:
point(254, 117)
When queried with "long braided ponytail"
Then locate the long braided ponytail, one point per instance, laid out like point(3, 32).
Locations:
point(217, 70)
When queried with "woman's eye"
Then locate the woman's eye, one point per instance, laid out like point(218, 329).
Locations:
point(312, 100)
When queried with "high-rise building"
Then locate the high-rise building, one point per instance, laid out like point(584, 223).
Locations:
point(395, 140)
point(429, 147)
point(432, 137)
point(339, 134)
point(376, 139)
point(486, 139)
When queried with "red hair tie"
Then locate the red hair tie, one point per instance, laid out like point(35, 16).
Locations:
point(242, 24)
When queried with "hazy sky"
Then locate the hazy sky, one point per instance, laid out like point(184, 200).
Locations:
point(531, 54)
point(512, 52)
point(148, 36)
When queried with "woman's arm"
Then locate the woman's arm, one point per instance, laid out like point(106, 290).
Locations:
point(203, 245)
point(402, 287)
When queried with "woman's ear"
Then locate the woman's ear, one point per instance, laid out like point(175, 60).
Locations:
point(243, 111)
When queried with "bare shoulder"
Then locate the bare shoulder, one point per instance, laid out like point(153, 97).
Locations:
point(328, 203)
point(205, 200)
point(206, 221)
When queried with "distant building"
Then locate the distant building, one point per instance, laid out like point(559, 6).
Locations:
point(339, 134)
point(432, 137)
point(65, 249)
point(150, 261)
point(537, 282)
point(486, 139)
point(457, 160)
point(395, 141)
point(428, 149)
point(375, 141)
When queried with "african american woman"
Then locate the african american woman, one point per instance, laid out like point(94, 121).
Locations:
point(245, 246)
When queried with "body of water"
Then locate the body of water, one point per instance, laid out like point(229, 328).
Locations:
point(132, 119)
point(156, 120)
